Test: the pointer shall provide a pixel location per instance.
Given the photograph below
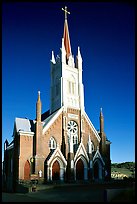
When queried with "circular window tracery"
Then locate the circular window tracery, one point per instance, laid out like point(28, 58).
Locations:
point(72, 127)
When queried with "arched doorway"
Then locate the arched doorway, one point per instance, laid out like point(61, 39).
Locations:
point(56, 171)
point(97, 170)
point(79, 170)
point(27, 170)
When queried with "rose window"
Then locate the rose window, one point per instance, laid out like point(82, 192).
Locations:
point(72, 127)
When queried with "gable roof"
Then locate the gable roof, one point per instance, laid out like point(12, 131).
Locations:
point(92, 126)
point(24, 125)
point(45, 115)
point(50, 119)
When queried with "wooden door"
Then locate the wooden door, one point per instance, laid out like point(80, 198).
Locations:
point(80, 170)
point(96, 171)
point(27, 170)
point(56, 171)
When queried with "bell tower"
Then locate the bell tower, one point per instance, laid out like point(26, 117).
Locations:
point(66, 76)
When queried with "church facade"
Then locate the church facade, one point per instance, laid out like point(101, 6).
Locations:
point(62, 143)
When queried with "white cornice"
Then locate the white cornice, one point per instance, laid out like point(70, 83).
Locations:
point(20, 132)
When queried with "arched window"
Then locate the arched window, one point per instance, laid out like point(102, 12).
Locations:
point(52, 143)
point(71, 85)
point(72, 128)
point(75, 139)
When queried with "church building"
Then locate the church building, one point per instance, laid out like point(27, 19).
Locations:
point(61, 144)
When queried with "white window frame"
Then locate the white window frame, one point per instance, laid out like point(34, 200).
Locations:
point(52, 143)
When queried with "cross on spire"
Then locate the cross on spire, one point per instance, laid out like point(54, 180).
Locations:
point(66, 12)
point(66, 35)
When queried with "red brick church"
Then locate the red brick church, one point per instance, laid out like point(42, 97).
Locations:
point(62, 143)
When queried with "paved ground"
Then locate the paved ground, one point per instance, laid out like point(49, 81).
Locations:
point(61, 193)
point(57, 194)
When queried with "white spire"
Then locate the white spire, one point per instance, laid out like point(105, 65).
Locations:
point(63, 51)
point(79, 59)
point(79, 54)
point(53, 58)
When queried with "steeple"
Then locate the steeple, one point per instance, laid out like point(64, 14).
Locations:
point(38, 134)
point(66, 35)
point(38, 108)
point(66, 79)
point(101, 121)
point(102, 134)
point(79, 59)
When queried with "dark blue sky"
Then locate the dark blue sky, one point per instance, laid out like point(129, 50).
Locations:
point(105, 33)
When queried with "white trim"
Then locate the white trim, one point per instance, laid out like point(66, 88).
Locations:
point(74, 116)
point(92, 126)
point(20, 132)
point(57, 153)
point(10, 146)
point(85, 163)
point(52, 143)
point(52, 120)
point(61, 165)
point(98, 155)
point(85, 167)
point(84, 153)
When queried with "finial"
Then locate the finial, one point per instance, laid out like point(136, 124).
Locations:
point(53, 58)
point(38, 95)
point(101, 113)
point(79, 54)
point(78, 50)
point(66, 12)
